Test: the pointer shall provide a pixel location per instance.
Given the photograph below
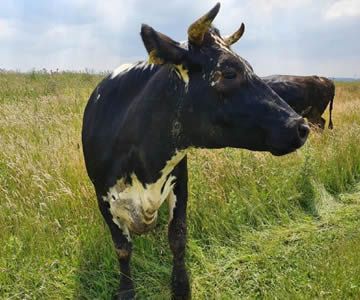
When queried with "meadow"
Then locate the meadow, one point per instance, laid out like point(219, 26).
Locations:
point(259, 226)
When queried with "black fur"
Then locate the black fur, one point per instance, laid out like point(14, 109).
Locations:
point(307, 95)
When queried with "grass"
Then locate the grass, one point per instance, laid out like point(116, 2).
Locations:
point(259, 226)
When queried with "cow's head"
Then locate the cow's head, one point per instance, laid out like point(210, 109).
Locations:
point(223, 103)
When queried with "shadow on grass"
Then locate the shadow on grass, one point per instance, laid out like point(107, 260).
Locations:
point(97, 275)
point(97, 272)
point(305, 185)
point(307, 198)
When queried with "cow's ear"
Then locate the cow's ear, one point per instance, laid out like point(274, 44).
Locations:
point(161, 48)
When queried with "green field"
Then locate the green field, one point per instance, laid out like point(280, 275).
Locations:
point(260, 227)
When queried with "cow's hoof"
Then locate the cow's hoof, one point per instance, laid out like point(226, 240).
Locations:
point(180, 297)
point(180, 285)
point(126, 295)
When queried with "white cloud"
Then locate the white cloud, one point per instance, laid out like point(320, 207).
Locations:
point(343, 8)
point(270, 5)
point(72, 47)
point(7, 29)
point(281, 36)
point(114, 14)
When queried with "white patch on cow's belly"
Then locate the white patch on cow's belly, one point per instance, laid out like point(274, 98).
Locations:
point(134, 207)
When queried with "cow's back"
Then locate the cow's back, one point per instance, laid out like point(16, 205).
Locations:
point(307, 95)
point(292, 89)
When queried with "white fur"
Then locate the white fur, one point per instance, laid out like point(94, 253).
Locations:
point(172, 204)
point(142, 65)
point(221, 43)
point(131, 204)
point(121, 69)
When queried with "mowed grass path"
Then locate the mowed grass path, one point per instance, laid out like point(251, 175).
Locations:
point(259, 226)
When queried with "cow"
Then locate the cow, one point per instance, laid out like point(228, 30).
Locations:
point(307, 95)
point(142, 119)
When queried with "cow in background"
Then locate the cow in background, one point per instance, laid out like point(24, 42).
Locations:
point(307, 95)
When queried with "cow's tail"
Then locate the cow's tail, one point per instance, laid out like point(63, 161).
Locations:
point(332, 96)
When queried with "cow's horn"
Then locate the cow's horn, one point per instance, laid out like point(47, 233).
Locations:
point(232, 39)
point(198, 29)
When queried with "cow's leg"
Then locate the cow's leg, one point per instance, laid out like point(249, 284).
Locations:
point(177, 233)
point(322, 123)
point(123, 248)
point(318, 122)
point(314, 118)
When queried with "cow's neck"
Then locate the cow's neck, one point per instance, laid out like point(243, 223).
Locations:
point(162, 142)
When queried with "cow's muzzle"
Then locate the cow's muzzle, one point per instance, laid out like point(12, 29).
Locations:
point(292, 137)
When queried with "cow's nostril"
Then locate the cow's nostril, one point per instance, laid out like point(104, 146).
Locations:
point(303, 131)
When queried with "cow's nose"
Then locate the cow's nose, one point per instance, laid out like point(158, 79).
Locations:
point(303, 130)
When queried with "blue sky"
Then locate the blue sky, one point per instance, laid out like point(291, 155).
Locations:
point(282, 37)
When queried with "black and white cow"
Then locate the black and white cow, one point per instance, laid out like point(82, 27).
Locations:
point(141, 120)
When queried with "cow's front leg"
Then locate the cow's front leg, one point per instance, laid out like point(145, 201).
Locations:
point(177, 233)
point(123, 247)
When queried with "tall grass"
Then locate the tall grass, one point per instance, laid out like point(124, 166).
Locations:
point(56, 246)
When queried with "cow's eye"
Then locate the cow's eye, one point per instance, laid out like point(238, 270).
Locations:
point(229, 74)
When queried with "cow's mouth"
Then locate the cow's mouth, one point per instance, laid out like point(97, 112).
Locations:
point(281, 152)
point(293, 140)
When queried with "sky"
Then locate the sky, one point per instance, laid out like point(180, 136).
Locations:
point(300, 37)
